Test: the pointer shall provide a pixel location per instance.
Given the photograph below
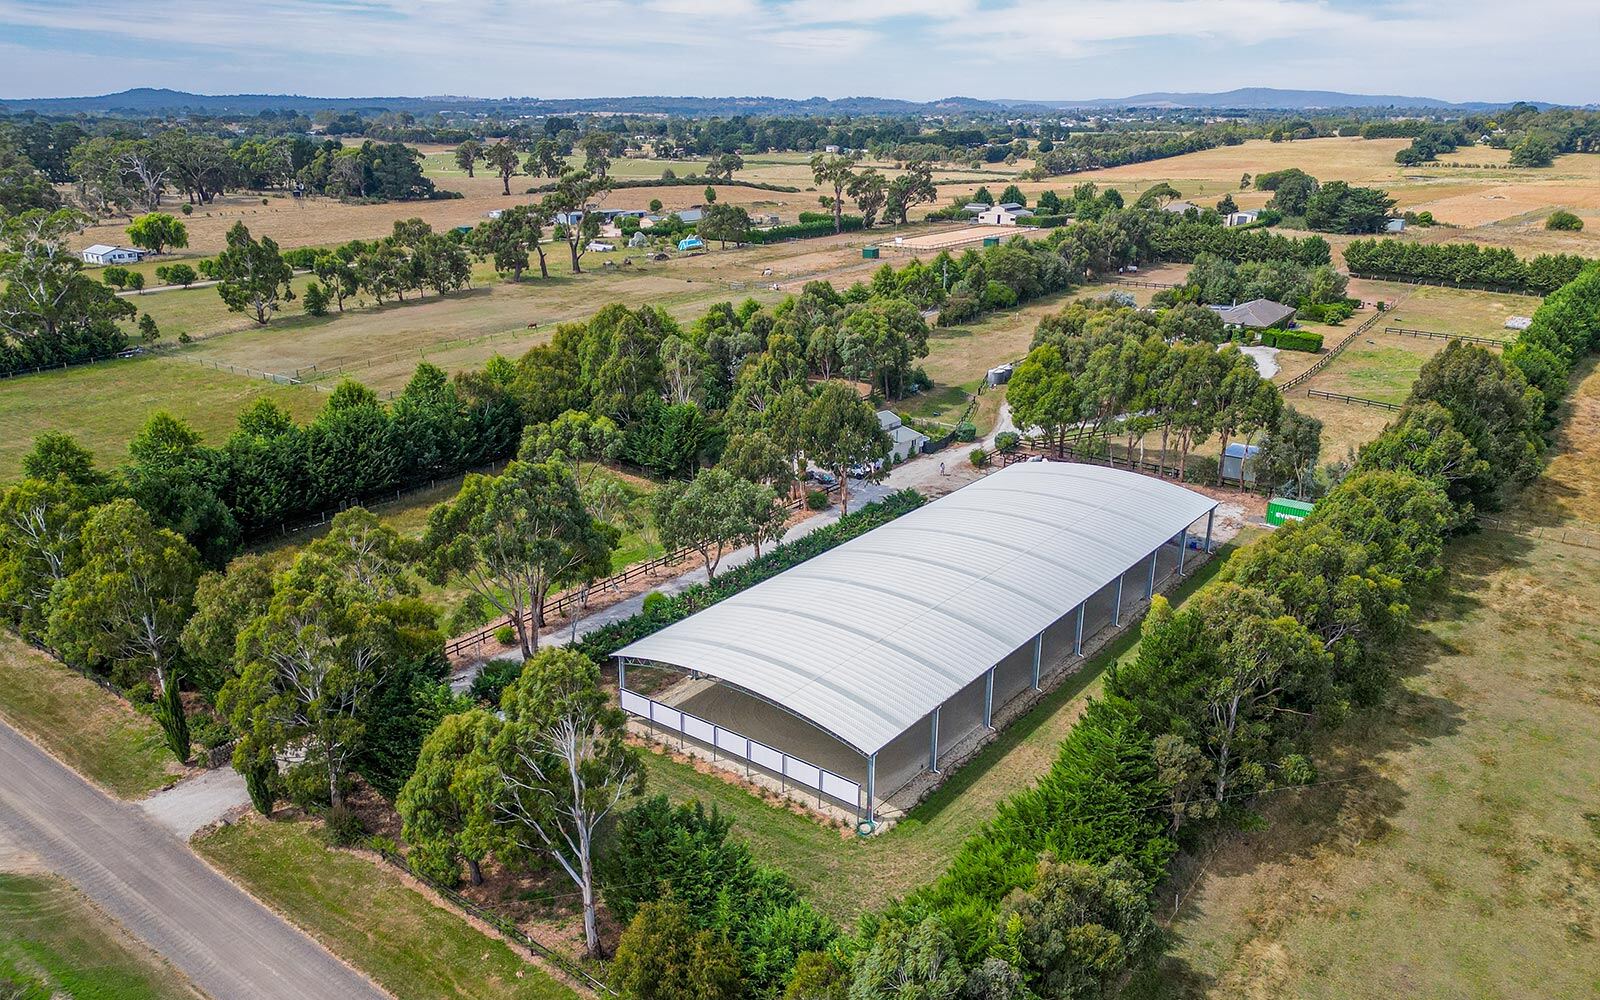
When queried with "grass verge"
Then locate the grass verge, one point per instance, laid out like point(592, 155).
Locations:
point(371, 918)
point(96, 733)
point(54, 942)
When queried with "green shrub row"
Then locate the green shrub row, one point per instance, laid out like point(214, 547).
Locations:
point(805, 228)
point(601, 643)
point(1292, 340)
point(1462, 264)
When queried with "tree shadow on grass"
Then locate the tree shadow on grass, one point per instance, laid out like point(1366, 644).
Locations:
point(1352, 802)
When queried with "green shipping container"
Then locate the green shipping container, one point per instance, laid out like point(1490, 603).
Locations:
point(869, 253)
point(1282, 510)
point(991, 241)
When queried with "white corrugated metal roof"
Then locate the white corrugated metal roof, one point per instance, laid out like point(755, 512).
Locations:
point(868, 638)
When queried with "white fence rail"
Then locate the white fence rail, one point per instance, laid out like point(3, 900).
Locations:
point(792, 769)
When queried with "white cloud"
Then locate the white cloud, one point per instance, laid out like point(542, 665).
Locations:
point(908, 48)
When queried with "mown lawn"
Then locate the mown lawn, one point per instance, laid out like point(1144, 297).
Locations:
point(369, 916)
point(846, 875)
point(105, 404)
point(96, 733)
point(55, 943)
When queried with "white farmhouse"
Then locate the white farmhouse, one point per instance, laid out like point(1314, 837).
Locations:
point(104, 253)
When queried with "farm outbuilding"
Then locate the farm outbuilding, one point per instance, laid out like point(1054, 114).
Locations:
point(1239, 462)
point(862, 670)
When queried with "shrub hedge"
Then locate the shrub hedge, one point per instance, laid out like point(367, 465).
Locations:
point(601, 643)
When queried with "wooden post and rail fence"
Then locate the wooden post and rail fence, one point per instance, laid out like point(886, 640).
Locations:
point(569, 602)
point(1436, 335)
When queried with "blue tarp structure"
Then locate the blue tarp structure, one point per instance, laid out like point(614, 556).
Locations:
point(691, 243)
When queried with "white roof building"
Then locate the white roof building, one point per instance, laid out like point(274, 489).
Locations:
point(104, 253)
point(870, 640)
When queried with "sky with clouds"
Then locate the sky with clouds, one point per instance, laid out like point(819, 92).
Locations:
point(913, 49)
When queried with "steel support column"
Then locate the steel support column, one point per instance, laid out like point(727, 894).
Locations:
point(872, 784)
point(988, 699)
point(622, 674)
point(1116, 614)
point(1211, 515)
point(1038, 652)
point(933, 750)
point(1150, 581)
point(1183, 548)
point(1077, 636)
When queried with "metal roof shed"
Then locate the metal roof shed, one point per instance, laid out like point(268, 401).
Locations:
point(869, 638)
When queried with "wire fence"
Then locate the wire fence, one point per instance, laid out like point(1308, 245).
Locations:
point(125, 355)
point(379, 499)
point(278, 377)
point(1552, 533)
point(1441, 283)
point(506, 928)
point(1436, 335)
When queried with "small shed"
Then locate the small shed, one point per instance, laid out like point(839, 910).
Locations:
point(1395, 226)
point(904, 441)
point(1282, 510)
point(1239, 462)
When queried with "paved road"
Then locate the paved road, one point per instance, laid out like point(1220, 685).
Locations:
point(223, 940)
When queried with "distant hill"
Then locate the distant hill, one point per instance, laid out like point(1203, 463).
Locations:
point(147, 101)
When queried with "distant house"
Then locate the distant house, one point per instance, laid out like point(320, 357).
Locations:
point(1179, 207)
point(1395, 226)
point(1239, 461)
point(691, 215)
point(763, 219)
point(1003, 215)
point(1241, 218)
point(974, 207)
point(1257, 314)
point(830, 149)
point(904, 441)
point(104, 253)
